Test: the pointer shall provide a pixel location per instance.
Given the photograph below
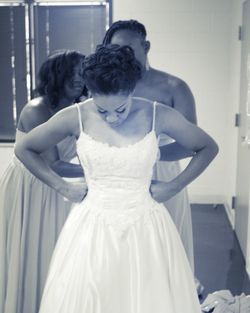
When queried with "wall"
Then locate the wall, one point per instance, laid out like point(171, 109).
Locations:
point(6, 153)
point(197, 41)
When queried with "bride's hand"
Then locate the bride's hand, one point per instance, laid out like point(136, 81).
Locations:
point(162, 191)
point(75, 191)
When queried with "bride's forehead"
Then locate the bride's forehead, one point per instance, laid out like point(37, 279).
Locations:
point(110, 101)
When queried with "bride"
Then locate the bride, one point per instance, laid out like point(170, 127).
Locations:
point(119, 250)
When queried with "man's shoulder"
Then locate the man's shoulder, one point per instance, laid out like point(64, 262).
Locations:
point(165, 79)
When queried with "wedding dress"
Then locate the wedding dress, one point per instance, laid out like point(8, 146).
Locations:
point(119, 250)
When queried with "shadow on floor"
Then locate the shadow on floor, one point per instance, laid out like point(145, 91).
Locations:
point(219, 262)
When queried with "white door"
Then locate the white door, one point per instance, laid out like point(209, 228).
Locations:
point(242, 214)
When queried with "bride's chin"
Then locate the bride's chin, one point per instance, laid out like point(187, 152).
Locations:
point(115, 124)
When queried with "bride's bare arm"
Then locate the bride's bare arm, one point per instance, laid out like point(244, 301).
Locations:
point(44, 137)
point(192, 138)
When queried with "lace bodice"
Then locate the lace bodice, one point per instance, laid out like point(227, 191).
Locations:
point(118, 178)
point(110, 167)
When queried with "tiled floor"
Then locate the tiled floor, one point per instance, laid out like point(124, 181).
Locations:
point(219, 261)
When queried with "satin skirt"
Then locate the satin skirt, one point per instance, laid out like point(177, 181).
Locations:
point(119, 261)
point(178, 207)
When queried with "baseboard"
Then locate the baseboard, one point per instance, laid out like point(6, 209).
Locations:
point(215, 199)
point(230, 214)
point(209, 199)
point(248, 270)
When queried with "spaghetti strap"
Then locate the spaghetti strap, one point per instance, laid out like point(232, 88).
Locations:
point(154, 113)
point(79, 117)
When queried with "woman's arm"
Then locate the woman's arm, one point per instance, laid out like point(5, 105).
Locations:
point(67, 169)
point(44, 137)
point(62, 168)
point(174, 152)
point(191, 137)
point(34, 114)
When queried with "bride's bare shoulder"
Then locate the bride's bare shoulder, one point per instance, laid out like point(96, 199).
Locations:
point(86, 106)
point(142, 104)
point(140, 101)
point(86, 102)
point(148, 105)
point(167, 117)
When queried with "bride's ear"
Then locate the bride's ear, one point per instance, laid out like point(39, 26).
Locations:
point(146, 46)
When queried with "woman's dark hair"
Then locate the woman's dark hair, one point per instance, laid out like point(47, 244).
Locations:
point(132, 25)
point(111, 69)
point(55, 71)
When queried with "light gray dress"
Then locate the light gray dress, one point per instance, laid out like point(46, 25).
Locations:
point(31, 217)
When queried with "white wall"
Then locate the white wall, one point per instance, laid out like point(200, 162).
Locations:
point(197, 41)
point(6, 153)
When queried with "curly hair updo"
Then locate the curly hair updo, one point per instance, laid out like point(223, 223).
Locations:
point(112, 69)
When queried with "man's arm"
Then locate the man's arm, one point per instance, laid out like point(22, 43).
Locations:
point(183, 101)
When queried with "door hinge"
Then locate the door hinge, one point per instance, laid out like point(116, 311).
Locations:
point(240, 33)
point(233, 202)
point(237, 120)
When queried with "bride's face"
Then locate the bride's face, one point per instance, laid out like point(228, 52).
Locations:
point(114, 109)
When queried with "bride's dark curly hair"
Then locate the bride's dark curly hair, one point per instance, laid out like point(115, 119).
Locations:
point(112, 69)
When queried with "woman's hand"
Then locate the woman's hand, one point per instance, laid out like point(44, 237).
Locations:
point(75, 191)
point(163, 191)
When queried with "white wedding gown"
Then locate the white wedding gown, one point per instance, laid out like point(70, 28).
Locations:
point(178, 206)
point(119, 251)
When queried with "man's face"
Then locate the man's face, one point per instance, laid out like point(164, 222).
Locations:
point(135, 41)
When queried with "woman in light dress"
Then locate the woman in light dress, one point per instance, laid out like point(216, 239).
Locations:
point(119, 250)
point(31, 213)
